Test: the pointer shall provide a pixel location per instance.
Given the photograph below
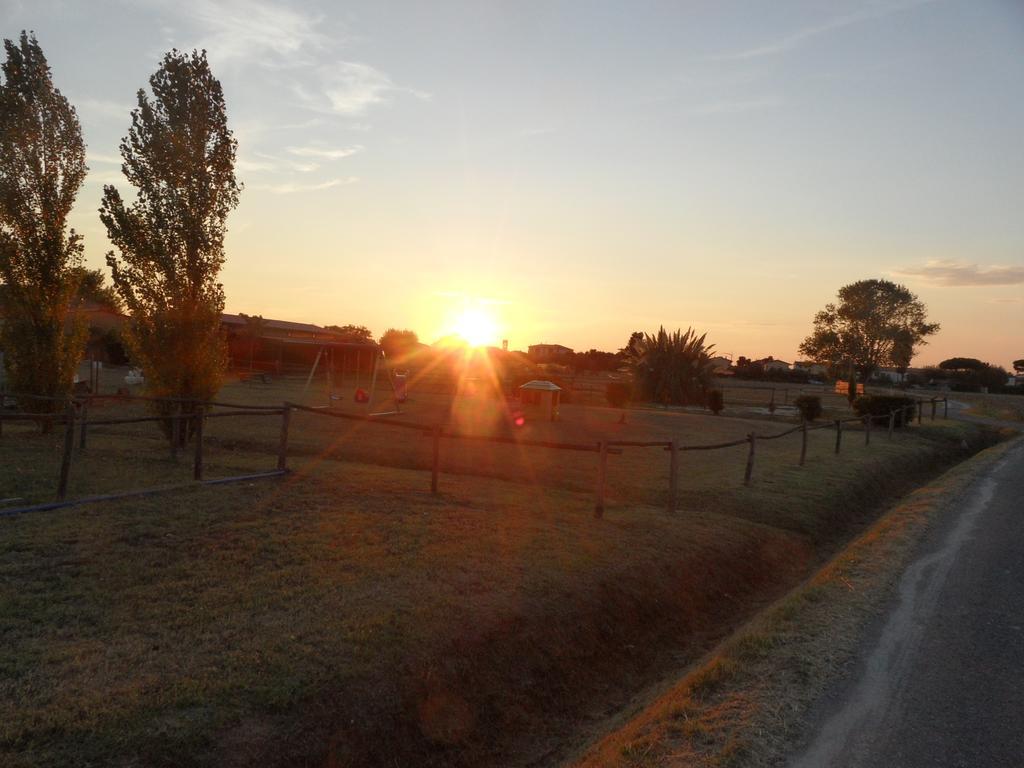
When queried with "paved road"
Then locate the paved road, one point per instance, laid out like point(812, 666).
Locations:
point(941, 678)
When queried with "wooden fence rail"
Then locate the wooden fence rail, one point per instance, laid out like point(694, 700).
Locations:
point(199, 412)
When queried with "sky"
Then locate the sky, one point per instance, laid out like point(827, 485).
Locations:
point(579, 170)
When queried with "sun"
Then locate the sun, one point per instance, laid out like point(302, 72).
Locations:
point(477, 326)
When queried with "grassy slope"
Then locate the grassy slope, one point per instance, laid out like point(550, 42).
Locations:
point(747, 702)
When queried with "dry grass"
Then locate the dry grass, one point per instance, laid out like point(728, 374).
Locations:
point(344, 616)
point(747, 704)
point(1005, 407)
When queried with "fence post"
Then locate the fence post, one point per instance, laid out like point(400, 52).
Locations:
point(839, 434)
point(945, 407)
point(673, 475)
point(892, 422)
point(920, 410)
point(435, 462)
point(282, 448)
point(803, 442)
point(197, 467)
point(867, 429)
point(602, 472)
point(750, 459)
point(69, 447)
point(81, 428)
point(933, 409)
point(175, 430)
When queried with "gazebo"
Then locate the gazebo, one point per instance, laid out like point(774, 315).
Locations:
point(543, 393)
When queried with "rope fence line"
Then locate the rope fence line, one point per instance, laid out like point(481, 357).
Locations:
point(199, 414)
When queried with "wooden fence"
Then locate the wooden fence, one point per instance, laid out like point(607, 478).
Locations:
point(197, 412)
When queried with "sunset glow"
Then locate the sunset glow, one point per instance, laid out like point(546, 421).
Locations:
point(477, 326)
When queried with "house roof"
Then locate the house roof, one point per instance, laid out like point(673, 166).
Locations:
point(544, 386)
point(283, 325)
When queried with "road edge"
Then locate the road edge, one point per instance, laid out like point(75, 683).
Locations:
point(749, 701)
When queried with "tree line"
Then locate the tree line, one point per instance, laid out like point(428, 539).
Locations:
point(178, 156)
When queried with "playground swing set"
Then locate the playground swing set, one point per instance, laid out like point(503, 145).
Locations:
point(365, 397)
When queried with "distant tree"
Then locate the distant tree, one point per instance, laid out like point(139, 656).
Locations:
point(1018, 366)
point(630, 350)
point(352, 333)
point(874, 324)
point(42, 166)
point(93, 287)
point(596, 360)
point(962, 364)
point(180, 157)
point(397, 342)
point(672, 367)
point(969, 373)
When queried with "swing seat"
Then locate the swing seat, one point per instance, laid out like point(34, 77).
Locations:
point(362, 396)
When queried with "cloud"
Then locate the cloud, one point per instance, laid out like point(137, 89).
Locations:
point(102, 109)
point(1007, 300)
point(253, 29)
point(795, 39)
point(350, 88)
point(956, 274)
point(98, 158)
point(325, 153)
point(289, 188)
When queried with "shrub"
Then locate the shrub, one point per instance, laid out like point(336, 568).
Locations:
point(715, 401)
point(883, 405)
point(618, 393)
point(809, 407)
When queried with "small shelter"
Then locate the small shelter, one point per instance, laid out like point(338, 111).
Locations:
point(543, 393)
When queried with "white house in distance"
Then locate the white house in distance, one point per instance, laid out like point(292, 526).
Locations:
point(548, 353)
point(890, 375)
point(720, 364)
point(776, 365)
point(811, 369)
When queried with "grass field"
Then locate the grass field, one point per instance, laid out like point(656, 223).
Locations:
point(1004, 407)
point(345, 616)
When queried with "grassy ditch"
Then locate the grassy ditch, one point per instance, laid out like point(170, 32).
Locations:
point(747, 703)
point(344, 616)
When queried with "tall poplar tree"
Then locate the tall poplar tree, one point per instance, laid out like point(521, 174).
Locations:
point(180, 157)
point(42, 167)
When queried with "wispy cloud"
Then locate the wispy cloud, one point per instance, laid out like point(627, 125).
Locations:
point(798, 37)
point(102, 109)
point(98, 158)
point(956, 273)
point(289, 188)
point(350, 88)
point(325, 153)
point(1007, 300)
point(253, 29)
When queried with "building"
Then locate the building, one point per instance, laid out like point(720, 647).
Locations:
point(889, 375)
point(811, 369)
point(720, 365)
point(775, 365)
point(285, 346)
point(549, 353)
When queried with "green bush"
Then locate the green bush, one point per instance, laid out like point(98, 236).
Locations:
point(715, 401)
point(618, 393)
point(883, 405)
point(809, 407)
